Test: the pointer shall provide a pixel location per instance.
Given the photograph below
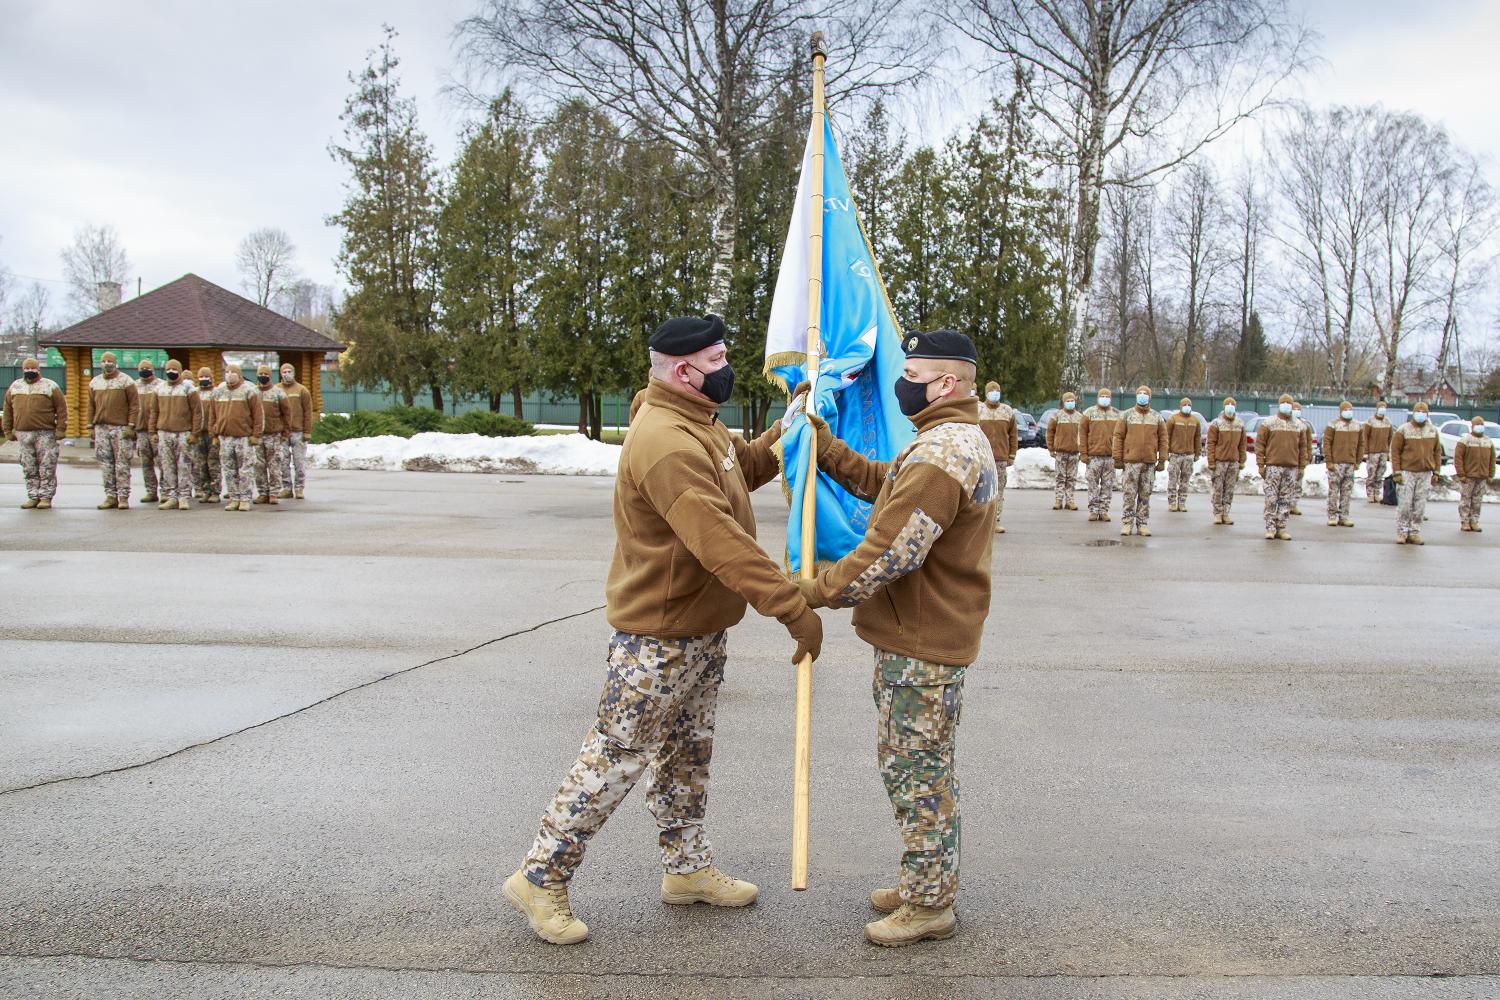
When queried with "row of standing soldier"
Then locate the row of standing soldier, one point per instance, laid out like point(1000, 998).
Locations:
point(191, 440)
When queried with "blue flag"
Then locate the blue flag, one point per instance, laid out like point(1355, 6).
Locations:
point(862, 357)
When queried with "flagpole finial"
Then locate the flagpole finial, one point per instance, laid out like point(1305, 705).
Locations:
point(818, 47)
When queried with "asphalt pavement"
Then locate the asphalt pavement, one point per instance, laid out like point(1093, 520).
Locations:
point(294, 752)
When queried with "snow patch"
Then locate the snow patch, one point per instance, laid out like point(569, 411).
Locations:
point(546, 454)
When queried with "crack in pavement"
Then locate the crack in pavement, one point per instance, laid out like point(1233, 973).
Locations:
point(296, 711)
point(735, 976)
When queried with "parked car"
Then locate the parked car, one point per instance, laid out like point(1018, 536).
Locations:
point(1041, 425)
point(1251, 421)
point(1450, 431)
point(1028, 432)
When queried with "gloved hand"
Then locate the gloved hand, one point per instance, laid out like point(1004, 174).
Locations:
point(129, 434)
point(10, 435)
point(807, 629)
point(192, 437)
point(1396, 478)
point(810, 593)
point(796, 406)
point(1210, 466)
point(1161, 466)
point(255, 442)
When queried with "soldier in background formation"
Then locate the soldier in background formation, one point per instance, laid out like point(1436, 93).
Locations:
point(270, 452)
point(1307, 439)
point(145, 432)
point(114, 408)
point(1474, 464)
point(1227, 447)
point(1063, 444)
point(299, 426)
point(998, 422)
point(1096, 434)
point(1184, 446)
point(1343, 449)
point(1416, 453)
point(1140, 444)
point(1282, 452)
point(178, 419)
point(36, 417)
point(207, 475)
point(1377, 448)
point(235, 419)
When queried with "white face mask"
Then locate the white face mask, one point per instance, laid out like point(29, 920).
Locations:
point(1347, 414)
point(1105, 401)
point(1380, 411)
point(1478, 430)
point(993, 397)
point(1187, 409)
point(1285, 408)
point(1419, 417)
point(1229, 410)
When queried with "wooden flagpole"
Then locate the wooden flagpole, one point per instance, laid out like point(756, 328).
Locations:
point(802, 751)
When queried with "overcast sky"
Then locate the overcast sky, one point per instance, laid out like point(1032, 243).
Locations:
point(187, 123)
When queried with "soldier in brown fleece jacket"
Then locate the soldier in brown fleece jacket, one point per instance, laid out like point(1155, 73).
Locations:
point(685, 566)
point(1140, 446)
point(1063, 445)
point(920, 586)
point(114, 408)
point(1282, 451)
point(1474, 465)
point(1184, 447)
point(998, 422)
point(1416, 456)
point(36, 417)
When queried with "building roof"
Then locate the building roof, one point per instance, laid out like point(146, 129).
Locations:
point(191, 312)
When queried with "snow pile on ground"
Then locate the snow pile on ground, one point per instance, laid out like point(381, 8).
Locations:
point(543, 454)
point(1034, 469)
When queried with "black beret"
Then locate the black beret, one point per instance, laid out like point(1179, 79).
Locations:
point(940, 345)
point(683, 335)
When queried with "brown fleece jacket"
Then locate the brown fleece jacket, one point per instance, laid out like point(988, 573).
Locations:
point(1343, 444)
point(235, 412)
point(1474, 457)
point(1183, 435)
point(686, 560)
point(177, 409)
point(298, 407)
point(1279, 441)
point(998, 423)
point(1227, 441)
point(1378, 432)
point(113, 401)
point(35, 406)
point(1416, 449)
point(1062, 432)
point(920, 579)
point(1140, 437)
point(145, 418)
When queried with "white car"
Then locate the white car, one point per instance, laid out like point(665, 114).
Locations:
point(1450, 431)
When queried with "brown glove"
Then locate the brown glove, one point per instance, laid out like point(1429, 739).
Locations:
point(807, 629)
point(129, 434)
point(255, 442)
point(1161, 466)
point(810, 593)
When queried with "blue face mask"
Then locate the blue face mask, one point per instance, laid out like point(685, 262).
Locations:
point(1104, 401)
point(1286, 409)
point(993, 397)
point(1187, 409)
point(1229, 410)
point(1141, 399)
point(1419, 417)
point(1069, 405)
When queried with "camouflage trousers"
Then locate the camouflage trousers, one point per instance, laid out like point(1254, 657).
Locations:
point(1140, 478)
point(1297, 489)
point(1067, 474)
point(1411, 503)
point(176, 465)
point(1280, 485)
point(1001, 468)
point(207, 476)
point(1224, 476)
point(1375, 463)
point(1470, 500)
point(656, 717)
point(39, 451)
point(270, 454)
point(294, 465)
point(1101, 477)
point(150, 456)
point(237, 459)
point(1179, 474)
point(919, 705)
point(1340, 489)
point(113, 453)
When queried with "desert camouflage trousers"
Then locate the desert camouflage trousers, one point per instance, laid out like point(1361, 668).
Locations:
point(150, 456)
point(113, 453)
point(656, 717)
point(1470, 500)
point(1101, 477)
point(918, 707)
point(1411, 502)
point(1222, 480)
point(1139, 479)
point(1375, 463)
point(1179, 475)
point(1001, 478)
point(207, 476)
point(237, 460)
point(270, 455)
point(1340, 489)
point(39, 450)
point(1281, 486)
point(294, 464)
point(176, 465)
point(1067, 474)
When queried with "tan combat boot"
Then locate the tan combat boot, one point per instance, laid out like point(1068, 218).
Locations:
point(108, 504)
point(546, 910)
point(284, 494)
point(167, 504)
point(1344, 522)
point(1333, 522)
point(183, 505)
point(1143, 531)
point(31, 504)
point(232, 505)
point(45, 504)
point(1104, 517)
point(262, 498)
point(1473, 525)
point(1271, 536)
point(272, 500)
point(1283, 535)
point(1126, 530)
point(1297, 511)
point(244, 505)
point(1414, 539)
point(999, 530)
point(298, 494)
point(1218, 519)
point(1400, 538)
point(1057, 505)
point(885, 900)
point(1071, 505)
point(122, 503)
point(708, 885)
point(911, 924)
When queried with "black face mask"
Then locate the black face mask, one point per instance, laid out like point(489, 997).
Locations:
point(147, 374)
point(171, 375)
point(265, 380)
point(204, 383)
point(717, 386)
point(31, 375)
point(911, 396)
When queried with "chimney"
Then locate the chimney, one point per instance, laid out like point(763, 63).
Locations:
point(108, 294)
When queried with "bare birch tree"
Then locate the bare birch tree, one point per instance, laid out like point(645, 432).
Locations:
point(1468, 220)
point(1248, 217)
point(1163, 78)
point(1195, 234)
point(701, 75)
point(95, 256)
point(265, 260)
